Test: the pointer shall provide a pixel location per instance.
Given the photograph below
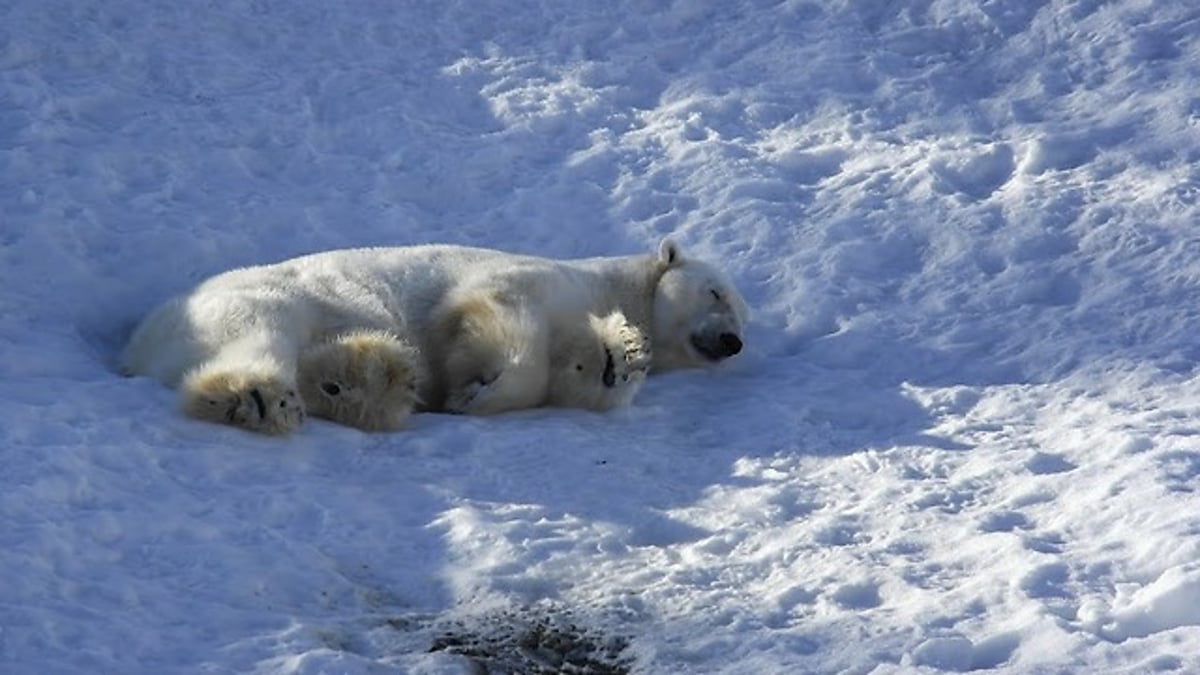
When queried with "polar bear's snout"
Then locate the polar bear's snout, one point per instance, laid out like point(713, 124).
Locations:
point(730, 343)
point(717, 346)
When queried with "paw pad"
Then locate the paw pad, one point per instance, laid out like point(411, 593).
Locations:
point(259, 404)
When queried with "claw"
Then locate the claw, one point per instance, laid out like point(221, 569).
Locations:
point(260, 403)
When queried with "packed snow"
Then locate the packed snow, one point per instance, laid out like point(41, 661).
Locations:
point(963, 434)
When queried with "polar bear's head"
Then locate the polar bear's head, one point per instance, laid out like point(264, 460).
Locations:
point(698, 314)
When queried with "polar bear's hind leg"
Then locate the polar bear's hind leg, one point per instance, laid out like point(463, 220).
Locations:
point(255, 401)
point(365, 379)
point(495, 359)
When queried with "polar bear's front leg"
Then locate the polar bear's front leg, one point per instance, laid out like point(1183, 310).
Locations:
point(630, 347)
point(365, 379)
point(600, 366)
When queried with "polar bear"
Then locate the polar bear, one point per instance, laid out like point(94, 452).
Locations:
point(365, 336)
point(366, 379)
point(600, 368)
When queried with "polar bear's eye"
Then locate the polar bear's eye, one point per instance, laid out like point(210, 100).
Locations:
point(715, 294)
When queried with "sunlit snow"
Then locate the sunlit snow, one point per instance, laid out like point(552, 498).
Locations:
point(964, 434)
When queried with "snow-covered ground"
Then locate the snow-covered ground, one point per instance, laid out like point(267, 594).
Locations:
point(965, 433)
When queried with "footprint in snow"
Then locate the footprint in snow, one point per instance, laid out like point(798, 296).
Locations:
point(1047, 542)
point(841, 533)
point(974, 175)
point(810, 166)
point(1180, 470)
point(952, 500)
point(1171, 601)
point(958, 654)
point(1047, 581)
point(1043, 463)
point(1004, 521)
point(857, 596)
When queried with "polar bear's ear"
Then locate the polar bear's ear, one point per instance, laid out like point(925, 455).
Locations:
point(668, 252)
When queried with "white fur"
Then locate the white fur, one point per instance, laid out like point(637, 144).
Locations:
point(487, 330)
point(600, 368)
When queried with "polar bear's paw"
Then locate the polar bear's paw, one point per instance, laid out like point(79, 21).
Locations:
point(470, 397)
point(635, 348)
point(601, 368)
point(513, 388)
point(627, 350)
point(251, 401)
point(367, 380)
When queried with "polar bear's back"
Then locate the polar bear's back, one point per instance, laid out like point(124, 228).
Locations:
point(306, 298)
point(406, 282)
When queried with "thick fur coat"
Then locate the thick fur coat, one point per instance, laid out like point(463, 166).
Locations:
point(364, 336)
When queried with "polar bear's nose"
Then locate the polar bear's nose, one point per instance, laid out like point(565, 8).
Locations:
point(730, 344)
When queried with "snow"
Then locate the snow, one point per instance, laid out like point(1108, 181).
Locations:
point(963, 435)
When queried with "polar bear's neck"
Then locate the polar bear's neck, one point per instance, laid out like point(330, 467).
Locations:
point(629, 284)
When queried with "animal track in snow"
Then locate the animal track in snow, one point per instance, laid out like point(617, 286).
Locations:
point(958, 654)
point(1180, 470)
point(1047, 581)
point(1049, 542)
point(809, 167)
point(1061, 152)
point(842, 533)
point(976, 175)
point(1170, 601)
point(857, 596)
point(1044, 463)
point(1004, 521)
point(950, 500)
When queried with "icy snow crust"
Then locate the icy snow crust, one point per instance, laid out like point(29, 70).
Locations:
point(963, 435)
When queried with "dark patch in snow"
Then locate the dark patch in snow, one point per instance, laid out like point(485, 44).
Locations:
point(537, 641)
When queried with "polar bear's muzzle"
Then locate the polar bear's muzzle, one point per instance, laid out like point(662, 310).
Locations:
point(716, 346)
